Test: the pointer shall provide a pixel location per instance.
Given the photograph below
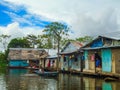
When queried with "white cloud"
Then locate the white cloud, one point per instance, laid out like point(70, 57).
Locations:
point(88, 25)
point(12, 29)
point(84, 16)
point(16, 31)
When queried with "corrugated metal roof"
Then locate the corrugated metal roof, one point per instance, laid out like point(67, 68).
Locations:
point(99, 38)
point(51, 52)
point(77, 44)
point(114, 34)
point(111, 37)
point(67, 52)
point(52, 57)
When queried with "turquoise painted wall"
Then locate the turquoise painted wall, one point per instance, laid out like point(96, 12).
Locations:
point(86, 55)
point(86, 60)
point(106, 60)
point(18, 63)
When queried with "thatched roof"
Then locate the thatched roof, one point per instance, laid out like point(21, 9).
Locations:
point(26, 54)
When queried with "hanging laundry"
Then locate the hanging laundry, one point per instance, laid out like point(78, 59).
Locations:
point(93, 57)
point(48, 63)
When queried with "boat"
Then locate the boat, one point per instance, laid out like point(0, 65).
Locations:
point(47, 73)
point(30, 75)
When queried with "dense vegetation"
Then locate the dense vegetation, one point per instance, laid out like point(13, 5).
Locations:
point(3, 61)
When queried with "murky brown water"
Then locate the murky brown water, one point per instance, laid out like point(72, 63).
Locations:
point(17, 79)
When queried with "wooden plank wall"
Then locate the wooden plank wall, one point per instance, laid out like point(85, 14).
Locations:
point(91, 62)
point(116, 60)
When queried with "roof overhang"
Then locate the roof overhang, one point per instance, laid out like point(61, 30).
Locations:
point(104, 47)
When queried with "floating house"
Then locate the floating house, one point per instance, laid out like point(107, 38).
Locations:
point(70, 57)
point(102, 56)
point(26, 57)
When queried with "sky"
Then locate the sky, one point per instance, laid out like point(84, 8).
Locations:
point(84, 17)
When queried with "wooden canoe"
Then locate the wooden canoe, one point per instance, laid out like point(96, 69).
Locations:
point(47, 73)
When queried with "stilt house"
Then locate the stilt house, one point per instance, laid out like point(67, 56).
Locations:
point(26, 57)
point(102, 56)
point(70, 57)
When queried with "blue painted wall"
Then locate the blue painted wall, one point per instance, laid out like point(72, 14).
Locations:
point(18, 63)
point(97, 43)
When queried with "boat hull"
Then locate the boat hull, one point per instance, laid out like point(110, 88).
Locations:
point(48, 74)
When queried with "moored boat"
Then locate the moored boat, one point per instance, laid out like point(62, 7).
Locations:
point(47, 73)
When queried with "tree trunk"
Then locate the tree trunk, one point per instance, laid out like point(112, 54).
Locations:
point(58, 55)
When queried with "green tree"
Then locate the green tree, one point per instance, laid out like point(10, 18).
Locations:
point(40, 41)
point(2, 59)
point(84, 39)
point(46, 41)
point(19, 43)
point(64, 41)
point(32, 40)
point(56, 30)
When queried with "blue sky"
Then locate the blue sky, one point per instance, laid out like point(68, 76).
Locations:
point(5, 19)
point(20, 15)
point(85, 17)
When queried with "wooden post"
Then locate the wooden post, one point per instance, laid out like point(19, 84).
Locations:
point(81, 65)
point(81, 61)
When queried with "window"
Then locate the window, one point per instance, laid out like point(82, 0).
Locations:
point(64, 59)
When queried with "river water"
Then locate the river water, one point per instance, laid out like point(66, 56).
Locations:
point(22, 79)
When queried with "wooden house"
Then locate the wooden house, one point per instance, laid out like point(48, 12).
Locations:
point(51, 63)
point(102, 55)
point(25, 57)
point(51, 60)
point(70, 57)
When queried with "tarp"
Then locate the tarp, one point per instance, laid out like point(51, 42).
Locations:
point(97, 43)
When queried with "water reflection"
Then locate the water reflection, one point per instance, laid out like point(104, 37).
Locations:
point(15, 79)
